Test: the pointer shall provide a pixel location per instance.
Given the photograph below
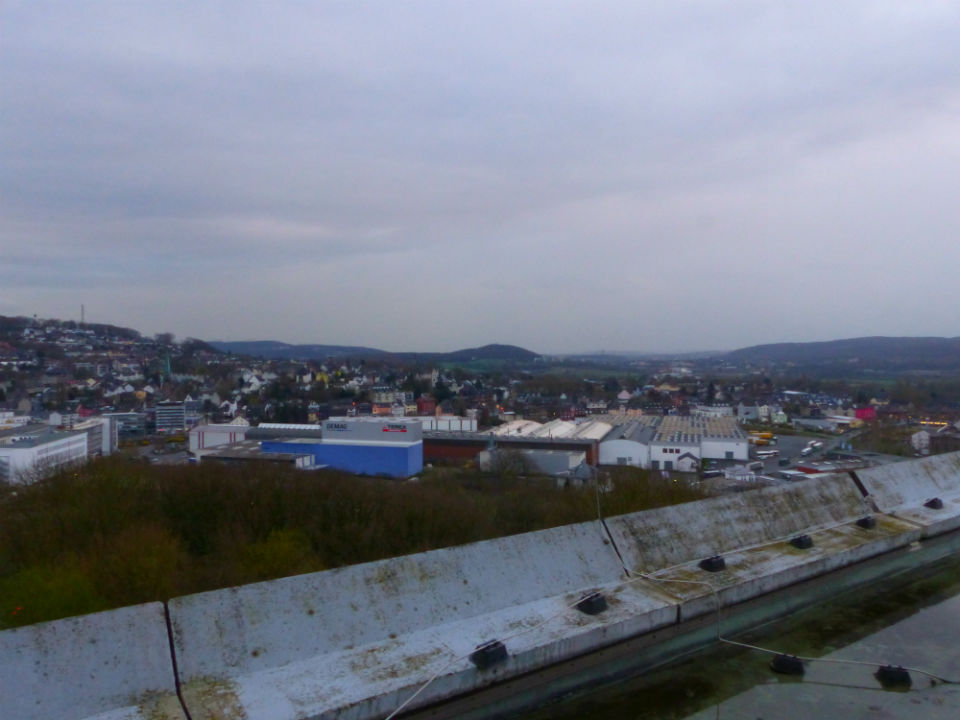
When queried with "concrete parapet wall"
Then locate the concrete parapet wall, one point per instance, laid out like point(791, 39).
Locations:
point(273, 623)
point(380, 627)
point(376, 632)
point(657, 539)
point(372, 680)
point(112, 665)
point(755, 571)
point(903, 488)
point(356, 642)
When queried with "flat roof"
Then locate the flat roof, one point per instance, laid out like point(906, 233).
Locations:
point(274, 431)
point(638, 430)
point(334, 442)
point(676, 429)
point(371, 419)
point(250, 450)
point(484, 437)
point(516, 428)
point(694, 429)
point(288, 426)
point(28, 429)
point(34, 435)
point(214, 427)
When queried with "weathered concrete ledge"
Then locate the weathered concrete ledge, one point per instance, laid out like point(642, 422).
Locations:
point(375, 632)
point(904, 489)
point(112, 665)
point(359, 642)
point(752, 532)
point(390, 627)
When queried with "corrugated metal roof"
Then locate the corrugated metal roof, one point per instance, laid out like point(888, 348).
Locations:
point(516, 428)
point(554, 428)
point(593, 430)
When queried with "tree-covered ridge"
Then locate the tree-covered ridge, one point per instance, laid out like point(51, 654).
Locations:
point(877, 353)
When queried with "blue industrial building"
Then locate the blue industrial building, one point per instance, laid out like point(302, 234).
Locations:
point(393, 459)
point(366, 446)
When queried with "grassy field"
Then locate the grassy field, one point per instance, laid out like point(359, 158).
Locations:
point(116, 532)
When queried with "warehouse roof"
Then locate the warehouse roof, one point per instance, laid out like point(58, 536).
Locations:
point(266, 431)
point(677, 429)
point(694, 429)
point(250, 450)
point(33, 435)
point(517, 427)
point(639, 430)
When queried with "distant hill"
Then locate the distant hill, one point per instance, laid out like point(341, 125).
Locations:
point(11, 324)
point(510, 353)
point(273, 350)
point(620, 356)
point(874, 353)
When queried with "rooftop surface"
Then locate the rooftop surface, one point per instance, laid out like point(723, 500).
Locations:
point(32, 435)
point(677, 429)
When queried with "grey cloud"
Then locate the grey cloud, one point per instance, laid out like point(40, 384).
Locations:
point(519, 155)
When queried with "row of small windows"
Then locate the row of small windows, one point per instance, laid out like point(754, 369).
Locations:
point(59, 449)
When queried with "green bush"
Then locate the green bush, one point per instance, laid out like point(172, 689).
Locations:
point(46, 592)
point(138, 564)
point(284, 552)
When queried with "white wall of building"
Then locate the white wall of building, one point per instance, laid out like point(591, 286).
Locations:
point(203, 437)
point(448, 423)
point(24, 463)
point(624, 452)
point(376, 429)
point(101, 431)
point(663, 453)
point(717, 448)
point(637, 454)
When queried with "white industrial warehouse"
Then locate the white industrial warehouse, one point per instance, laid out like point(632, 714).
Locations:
point(394, 446)
point(674, 442)
point(559, 429)
point(655, 442)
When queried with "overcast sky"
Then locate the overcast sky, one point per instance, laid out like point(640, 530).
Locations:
point(565, 176)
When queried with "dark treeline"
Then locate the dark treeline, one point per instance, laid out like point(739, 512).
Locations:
point(116, 533)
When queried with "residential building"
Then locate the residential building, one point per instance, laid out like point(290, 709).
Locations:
point(426, 405)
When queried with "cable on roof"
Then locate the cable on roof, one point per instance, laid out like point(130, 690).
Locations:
point(586, 598)
point(632, 576)
point(728, 641)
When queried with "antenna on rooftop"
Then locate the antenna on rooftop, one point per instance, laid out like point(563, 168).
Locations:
point(82, 314)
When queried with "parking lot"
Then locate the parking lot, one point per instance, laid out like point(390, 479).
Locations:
point(161, 455)
point(789, 447)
